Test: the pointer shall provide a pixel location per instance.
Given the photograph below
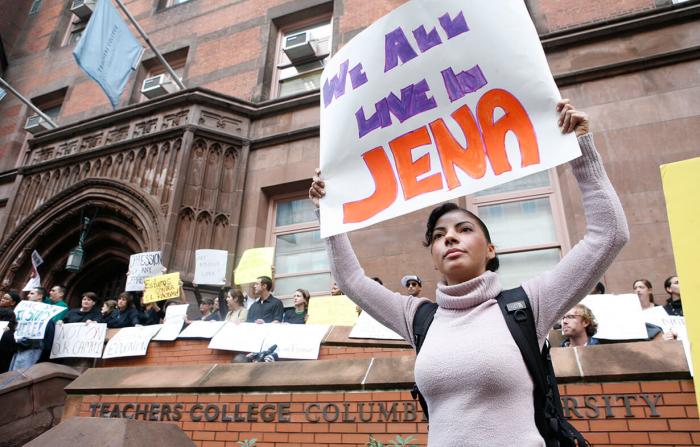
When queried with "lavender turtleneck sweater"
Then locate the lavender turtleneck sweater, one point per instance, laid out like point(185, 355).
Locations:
point(469, 369)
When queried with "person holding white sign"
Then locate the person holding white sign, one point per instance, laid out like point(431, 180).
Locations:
point(469, 369)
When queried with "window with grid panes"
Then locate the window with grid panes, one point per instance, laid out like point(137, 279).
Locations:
point(526, 223)
point(300, 253)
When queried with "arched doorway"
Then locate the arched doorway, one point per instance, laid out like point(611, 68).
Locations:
point(124, 223)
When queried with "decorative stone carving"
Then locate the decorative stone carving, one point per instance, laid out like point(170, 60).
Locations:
point(174, 119)
point(117, 134)
point(145, 127)
point(67, 148)
point(91, 141)
point(227, 123)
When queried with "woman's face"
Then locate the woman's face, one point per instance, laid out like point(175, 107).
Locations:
point(232, 302)
point(205, 308)
point(105, 309)
point(675, 287)
point(121, 303)
point(459, 247)
point(299, 299)
point(86, 304)
point(6, 300)
point(641, 289)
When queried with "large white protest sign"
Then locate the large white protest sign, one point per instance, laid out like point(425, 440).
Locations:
point(130, 341)
point(368, 327)
point(32, 318)
point(142, 266)
point(296, 341)
point(79, 340)
point(241, 337)
point(619, 317)
point(33, 283)
point(202, 329)
point(210, 267)
point(175, 316)
point(436, 100)
point(658, 316)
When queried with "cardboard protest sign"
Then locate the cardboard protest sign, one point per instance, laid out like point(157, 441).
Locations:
point(367, 327)
point(142, 266)
point(36, 259)
point(79, 340)
point(130, 341)
point(32, 318)
point(296, 341)
point(681, 184)
point(337, 310)
point(607, 310)
point(241, 337)
point(202, 329)
point(175, 316)
point(210, 267)
point(254, 263)
point(161, 287)
point(434, 101)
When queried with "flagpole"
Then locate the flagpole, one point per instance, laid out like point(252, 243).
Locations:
point(170, 70)
point(29, 104)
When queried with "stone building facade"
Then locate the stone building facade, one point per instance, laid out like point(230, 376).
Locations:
point(226, 163)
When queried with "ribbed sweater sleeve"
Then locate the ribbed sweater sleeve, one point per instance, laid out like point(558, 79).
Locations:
point(392, 309)
point(558, 290)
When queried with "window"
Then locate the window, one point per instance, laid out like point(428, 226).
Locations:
point(36, 5)
point(302, 52)
point(169, 3)
point(300, 253)
point(76, 27)
point(526, 222)
point(50, 103)
point(153, 67)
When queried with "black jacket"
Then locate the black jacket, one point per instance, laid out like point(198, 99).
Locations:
point(120, 319)
point(78, 316)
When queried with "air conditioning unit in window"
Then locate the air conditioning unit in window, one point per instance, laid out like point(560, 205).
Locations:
point(158, 86)
point(82, 9)
point(36, 124)
point(298, 47)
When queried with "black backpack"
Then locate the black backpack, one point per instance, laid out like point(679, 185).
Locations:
point(549, 418)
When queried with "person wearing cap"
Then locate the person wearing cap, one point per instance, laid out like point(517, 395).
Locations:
point(207, 309)
point(413, 284)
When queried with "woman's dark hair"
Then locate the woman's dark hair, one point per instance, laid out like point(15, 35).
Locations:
point(14, 296)
point(668, 282)
point(445, 208)
point(237, 296)
point(92, 296)
point(306, 295)
point(8, 315)
point(127, 296)
point(647, 283)
point(111, 304)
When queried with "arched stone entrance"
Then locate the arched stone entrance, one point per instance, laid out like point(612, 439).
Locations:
point(125, 222)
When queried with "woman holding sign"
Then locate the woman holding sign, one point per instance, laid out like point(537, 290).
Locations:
point(469, 369)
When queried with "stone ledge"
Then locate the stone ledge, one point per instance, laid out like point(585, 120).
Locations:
point(624, 361)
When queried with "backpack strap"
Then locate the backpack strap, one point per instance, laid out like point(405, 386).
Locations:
point(421, 323)
point(517, 312)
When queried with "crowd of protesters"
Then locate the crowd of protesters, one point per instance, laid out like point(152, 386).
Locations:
point(578, 326)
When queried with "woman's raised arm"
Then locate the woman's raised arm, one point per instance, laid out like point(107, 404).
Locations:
point(554, 292)
point(392, 309)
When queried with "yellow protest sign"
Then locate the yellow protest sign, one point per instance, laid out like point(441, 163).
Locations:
point(681, 188)
point(161, 287)
point(337, 310)
point(254, 263)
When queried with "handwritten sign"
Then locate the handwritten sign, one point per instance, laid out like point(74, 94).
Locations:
point(336, 310)
point(130, 341)
point(142, 266)
point(79, 340)
point(175, 316)
point(296, 341)
point(210, 267)
point(161, 287)
point(367, 327)
point(33, 283)
point(202, 329)
point(254, 263)
point(607, 310)
point(32, 318)
point(434, 101)
point(240, 337)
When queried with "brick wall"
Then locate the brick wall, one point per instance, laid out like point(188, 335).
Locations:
point(673, 421)
point(196, 352)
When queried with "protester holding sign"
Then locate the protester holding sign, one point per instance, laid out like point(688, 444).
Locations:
point(642, 287)
point(88, 310)
point(125, 314)
point(468, 364)
point(267, 309)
